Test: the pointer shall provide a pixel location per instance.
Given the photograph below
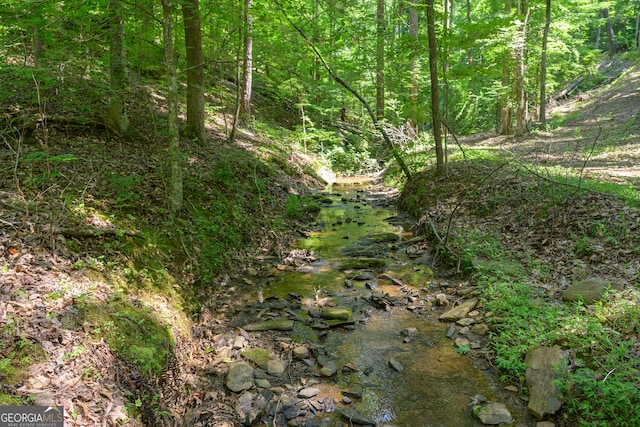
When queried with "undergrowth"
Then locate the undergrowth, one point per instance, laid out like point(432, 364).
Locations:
point(518, 237)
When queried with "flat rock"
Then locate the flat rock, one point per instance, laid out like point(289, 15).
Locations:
point(308, 392)
point(459, 312)
point(240, 377)
point(494, 414)
point(355, 417)
point(353, 390)
point(589, 291)
point(544, 365)
point(270, 325)
point(396, 365)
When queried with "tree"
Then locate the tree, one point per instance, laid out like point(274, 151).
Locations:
point(117, 119)
point(195, 71)
point(413, 68)
point(441, 167)
point(521, 42)
point(175, 198)
point(380, 35)
point(247, 74)
point(604, 12)
point(543, 66)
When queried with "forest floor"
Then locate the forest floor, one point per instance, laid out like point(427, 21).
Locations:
point(94, 275)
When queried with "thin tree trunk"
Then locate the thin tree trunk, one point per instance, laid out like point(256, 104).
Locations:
point(441, 166)
point(195, 71)
point(543, 66)
point(413, 67)
point(380, 33)
point(637, 38)
point(521, 103)
point(247, 75)
point(504, 124)
point(117, 119)
point(38, 47)
point(175, 165)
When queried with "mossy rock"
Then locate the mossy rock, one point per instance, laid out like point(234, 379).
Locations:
point(362, 263)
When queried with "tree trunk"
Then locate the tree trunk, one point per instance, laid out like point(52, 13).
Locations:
point(175, 165)
point(637, 33)
point(504, 122)
point(38, 47)
point(610, 36)
point(543, 66)
point(441, 166)
point(413, 67)
point(247, 76)
point(380, 33)
point(521, 107)
point(195, 71)
point(117, 119)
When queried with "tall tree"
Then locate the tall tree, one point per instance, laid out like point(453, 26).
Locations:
point(195, 70)
point(441, 166)
point(117, 119)
point(604, 12)
point(504, 124)
point(380, 39)
point(175, 198)
point(247, 67)
point(520, 48)
point(543, 66)
point(413, 67)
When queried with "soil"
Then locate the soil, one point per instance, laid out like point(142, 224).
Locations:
point(42, 285)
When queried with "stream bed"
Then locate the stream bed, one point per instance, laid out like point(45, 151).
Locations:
point(393, 361)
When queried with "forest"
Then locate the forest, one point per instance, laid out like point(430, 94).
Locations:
point(171, 166)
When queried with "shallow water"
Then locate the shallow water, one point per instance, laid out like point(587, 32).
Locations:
point(437, 384)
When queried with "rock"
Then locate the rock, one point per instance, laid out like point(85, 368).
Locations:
point(355, 417)
point(274, 367)
point(239, 342)
point(396, 365)
point(350, 368)
point(364, 276)
point(451, 331)
point(292, 412)
point(480, 329)
point(589, 291)
point(441, 300)
point(409, 332)
point(336, 313)
point(240, 377)
point(371, 284)
point(545, 424)
point(466, 321)
point(271, 325)
point(329, 370)
point(361, 263)
point(262, 383)
point(494, 414)
point(308, 392)
point(544, 366)
point(301, 352)
point(353, 390)
point(459, 312)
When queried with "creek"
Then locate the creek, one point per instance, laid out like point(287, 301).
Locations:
point(404, 365)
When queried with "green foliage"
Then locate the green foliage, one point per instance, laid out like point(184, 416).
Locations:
point(131, 331)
